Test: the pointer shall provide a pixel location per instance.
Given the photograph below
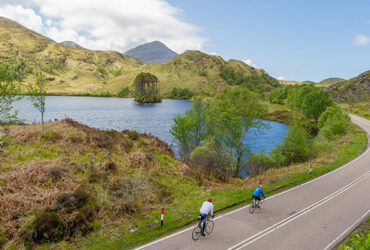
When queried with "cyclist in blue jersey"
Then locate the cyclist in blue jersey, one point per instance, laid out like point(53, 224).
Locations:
point(257, 195)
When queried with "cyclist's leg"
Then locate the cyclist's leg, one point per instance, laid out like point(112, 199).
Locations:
point(204, 220)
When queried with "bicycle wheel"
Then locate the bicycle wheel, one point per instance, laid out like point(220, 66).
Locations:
point(196, 233)
point(210, 226)
point(252, 207)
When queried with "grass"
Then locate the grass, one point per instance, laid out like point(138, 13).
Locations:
point(359, 239)
point(280, 113)
point(359, 108)
point(234, 194)
point(63, 145)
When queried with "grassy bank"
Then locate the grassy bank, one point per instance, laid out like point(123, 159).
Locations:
point(157, 180)
point(235, 193)
point(360, 108)
point(359, 239)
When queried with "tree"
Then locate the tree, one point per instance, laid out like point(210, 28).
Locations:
point(295, 147)
point(315, 103)
point(230, 116)
point(189, 130)
point(146, 88)
point(181, 130)
point(37, 93)
point(333, 121)
point(8, 93)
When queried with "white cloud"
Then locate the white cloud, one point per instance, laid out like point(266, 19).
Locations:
point(250, 63)
point(100, 24)
point(280, 78)
point(361, 40)
point(26, 17)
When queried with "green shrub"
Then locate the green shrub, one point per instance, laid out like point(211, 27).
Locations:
point(358, 241)
point(333, 122)
point(47, 226)
point(101, 70)
point(179, 93)
point(320, 145)
point(116, 72)
point(148, 99)
point(277, 156)
point(124, 91)
point(3, 239)
point(258, 163)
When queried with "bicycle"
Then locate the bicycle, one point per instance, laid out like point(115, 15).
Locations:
point(198, 229)
point(254, 206)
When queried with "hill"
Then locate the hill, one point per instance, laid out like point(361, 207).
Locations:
point(70, 43)
point(79, 71)
point(330, 81)
point(153, 52)
point(356, 89)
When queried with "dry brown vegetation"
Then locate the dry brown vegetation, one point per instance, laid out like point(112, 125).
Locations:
point(90, 174)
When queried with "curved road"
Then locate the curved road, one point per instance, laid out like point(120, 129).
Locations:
point(314, 215)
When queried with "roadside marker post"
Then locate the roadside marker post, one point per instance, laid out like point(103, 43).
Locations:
point(310, 169)
point(162, 214)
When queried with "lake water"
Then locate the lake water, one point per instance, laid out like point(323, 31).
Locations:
point(124, 113)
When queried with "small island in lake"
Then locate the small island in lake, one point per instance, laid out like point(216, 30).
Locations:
point(146, 88)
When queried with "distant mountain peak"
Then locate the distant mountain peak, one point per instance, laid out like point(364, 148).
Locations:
point(152, 52)
point(71, 43)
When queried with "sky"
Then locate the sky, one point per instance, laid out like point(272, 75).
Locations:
point(290, 39)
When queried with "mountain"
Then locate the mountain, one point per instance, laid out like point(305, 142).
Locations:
point(154, 52)
point(79, 71)
point(330, 81)
point(70, 43)
point(356, 89)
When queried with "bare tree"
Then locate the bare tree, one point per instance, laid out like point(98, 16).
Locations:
point(37, 93)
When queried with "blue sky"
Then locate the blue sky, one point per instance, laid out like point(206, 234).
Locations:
point(299, 40)
point(294, 40)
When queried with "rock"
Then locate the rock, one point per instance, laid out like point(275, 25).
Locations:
point(2, 151)
point(3, 144)
point(3, 135)
point(133, 229)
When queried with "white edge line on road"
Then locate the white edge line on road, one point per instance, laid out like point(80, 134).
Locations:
point(275, 195)
point(335, 241)
point(285, 221)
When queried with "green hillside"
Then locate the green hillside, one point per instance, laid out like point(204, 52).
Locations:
point(73, 70)
point(356, 89)
point(330, 81)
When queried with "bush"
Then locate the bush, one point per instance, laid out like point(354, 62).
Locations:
point(179, 93)
point(258, 163)
point(295, 147)
point(47, 226)
point(57, 172)
point(333, 122)
point(277, 156)
point(319, 145)
point(77, 199)
point(3, 239)
point(148, 99)
point(279, 95)
point(124, 91)
point(128, 194)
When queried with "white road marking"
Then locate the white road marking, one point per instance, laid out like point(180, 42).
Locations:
point(278, 194)
point(276, 226)
point(336, 240)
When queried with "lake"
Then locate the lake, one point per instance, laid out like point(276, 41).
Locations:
point(124, 113)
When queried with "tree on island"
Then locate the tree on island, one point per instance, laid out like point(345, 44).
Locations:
point(146, 88)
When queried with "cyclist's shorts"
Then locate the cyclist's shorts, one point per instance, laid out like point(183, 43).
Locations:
point(257, 198)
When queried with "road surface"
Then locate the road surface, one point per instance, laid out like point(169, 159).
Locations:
point(315, 215)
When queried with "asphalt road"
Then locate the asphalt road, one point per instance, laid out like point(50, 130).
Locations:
point(316, 215)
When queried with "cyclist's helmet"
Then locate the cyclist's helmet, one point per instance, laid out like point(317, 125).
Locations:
point(210, 199)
